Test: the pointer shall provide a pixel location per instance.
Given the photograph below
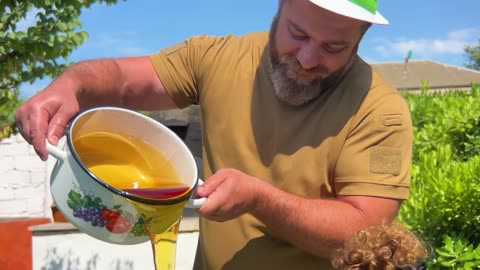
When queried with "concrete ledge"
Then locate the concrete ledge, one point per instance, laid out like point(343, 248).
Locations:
point(189, 221)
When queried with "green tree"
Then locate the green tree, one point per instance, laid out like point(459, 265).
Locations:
point(473, 56)
point(34, 53)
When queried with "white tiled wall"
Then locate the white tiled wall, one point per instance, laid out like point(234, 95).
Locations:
point(24, 180)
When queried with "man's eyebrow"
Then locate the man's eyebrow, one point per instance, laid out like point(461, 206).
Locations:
point(297, 28)
point(300, 30)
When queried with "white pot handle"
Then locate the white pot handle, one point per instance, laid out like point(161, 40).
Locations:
point(55, 151)
point(195, 203)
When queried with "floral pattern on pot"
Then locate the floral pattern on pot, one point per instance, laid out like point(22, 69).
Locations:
point(91, 209)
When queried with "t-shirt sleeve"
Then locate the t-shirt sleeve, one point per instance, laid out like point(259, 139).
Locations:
point(182, 67)
point(376, 157)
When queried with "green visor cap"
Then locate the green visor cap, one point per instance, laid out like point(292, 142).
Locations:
point(370, 5)
point(364, 10)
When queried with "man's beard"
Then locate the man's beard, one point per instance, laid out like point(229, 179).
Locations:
point(292, 89)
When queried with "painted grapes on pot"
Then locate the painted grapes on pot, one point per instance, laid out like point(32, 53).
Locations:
point(92, 210)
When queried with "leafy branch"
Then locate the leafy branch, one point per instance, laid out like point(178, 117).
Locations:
point(34, 53)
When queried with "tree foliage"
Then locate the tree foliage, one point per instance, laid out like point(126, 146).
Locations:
point(34, 52)
point(473, 55)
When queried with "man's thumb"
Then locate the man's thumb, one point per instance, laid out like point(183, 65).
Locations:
point(56, 130)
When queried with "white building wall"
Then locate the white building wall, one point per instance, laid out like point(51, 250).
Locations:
point(24, 180)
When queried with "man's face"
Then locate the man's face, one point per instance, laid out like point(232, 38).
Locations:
point(310, 49)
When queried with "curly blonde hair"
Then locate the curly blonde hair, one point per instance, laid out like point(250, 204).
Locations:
point(386, 247)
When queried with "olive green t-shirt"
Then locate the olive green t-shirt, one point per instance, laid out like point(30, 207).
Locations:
point(355, 139)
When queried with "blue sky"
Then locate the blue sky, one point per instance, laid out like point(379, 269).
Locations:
point(433, 30)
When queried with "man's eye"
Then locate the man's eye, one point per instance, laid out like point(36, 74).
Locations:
point(333, 48)
point(299, 36)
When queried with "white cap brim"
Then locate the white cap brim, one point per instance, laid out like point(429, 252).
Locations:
point(349, 9)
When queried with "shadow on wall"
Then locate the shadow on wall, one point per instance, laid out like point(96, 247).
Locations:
point(55, 261)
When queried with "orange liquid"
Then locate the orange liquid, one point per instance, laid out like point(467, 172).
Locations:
point(158, 193)
point(133, 165)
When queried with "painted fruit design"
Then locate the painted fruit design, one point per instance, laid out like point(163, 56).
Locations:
point(92, 210)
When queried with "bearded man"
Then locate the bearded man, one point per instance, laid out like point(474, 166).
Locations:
point(303, 142)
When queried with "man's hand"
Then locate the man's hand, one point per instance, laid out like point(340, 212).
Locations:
point(46, 115)
point(230, 193)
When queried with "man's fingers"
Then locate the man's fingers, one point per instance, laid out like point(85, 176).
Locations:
point(212, 206)
point(56, 128)
point(218, 190)
point(38, 131)
point(23, 126)
point(211, 184)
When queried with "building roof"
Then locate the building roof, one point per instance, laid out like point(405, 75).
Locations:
point(438, 75)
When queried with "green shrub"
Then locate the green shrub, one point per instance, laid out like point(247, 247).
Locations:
point(445, 177)
point(444, 197)
point(456, 253)
point(451, 118)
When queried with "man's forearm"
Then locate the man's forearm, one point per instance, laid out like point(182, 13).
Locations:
point(315, 225)
point(94, 82)
point(125, 82)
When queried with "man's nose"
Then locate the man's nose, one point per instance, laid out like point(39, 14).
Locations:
point(309, 56)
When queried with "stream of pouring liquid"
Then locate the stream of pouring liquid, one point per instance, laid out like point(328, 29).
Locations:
point(162, 224)
point(164, 248)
